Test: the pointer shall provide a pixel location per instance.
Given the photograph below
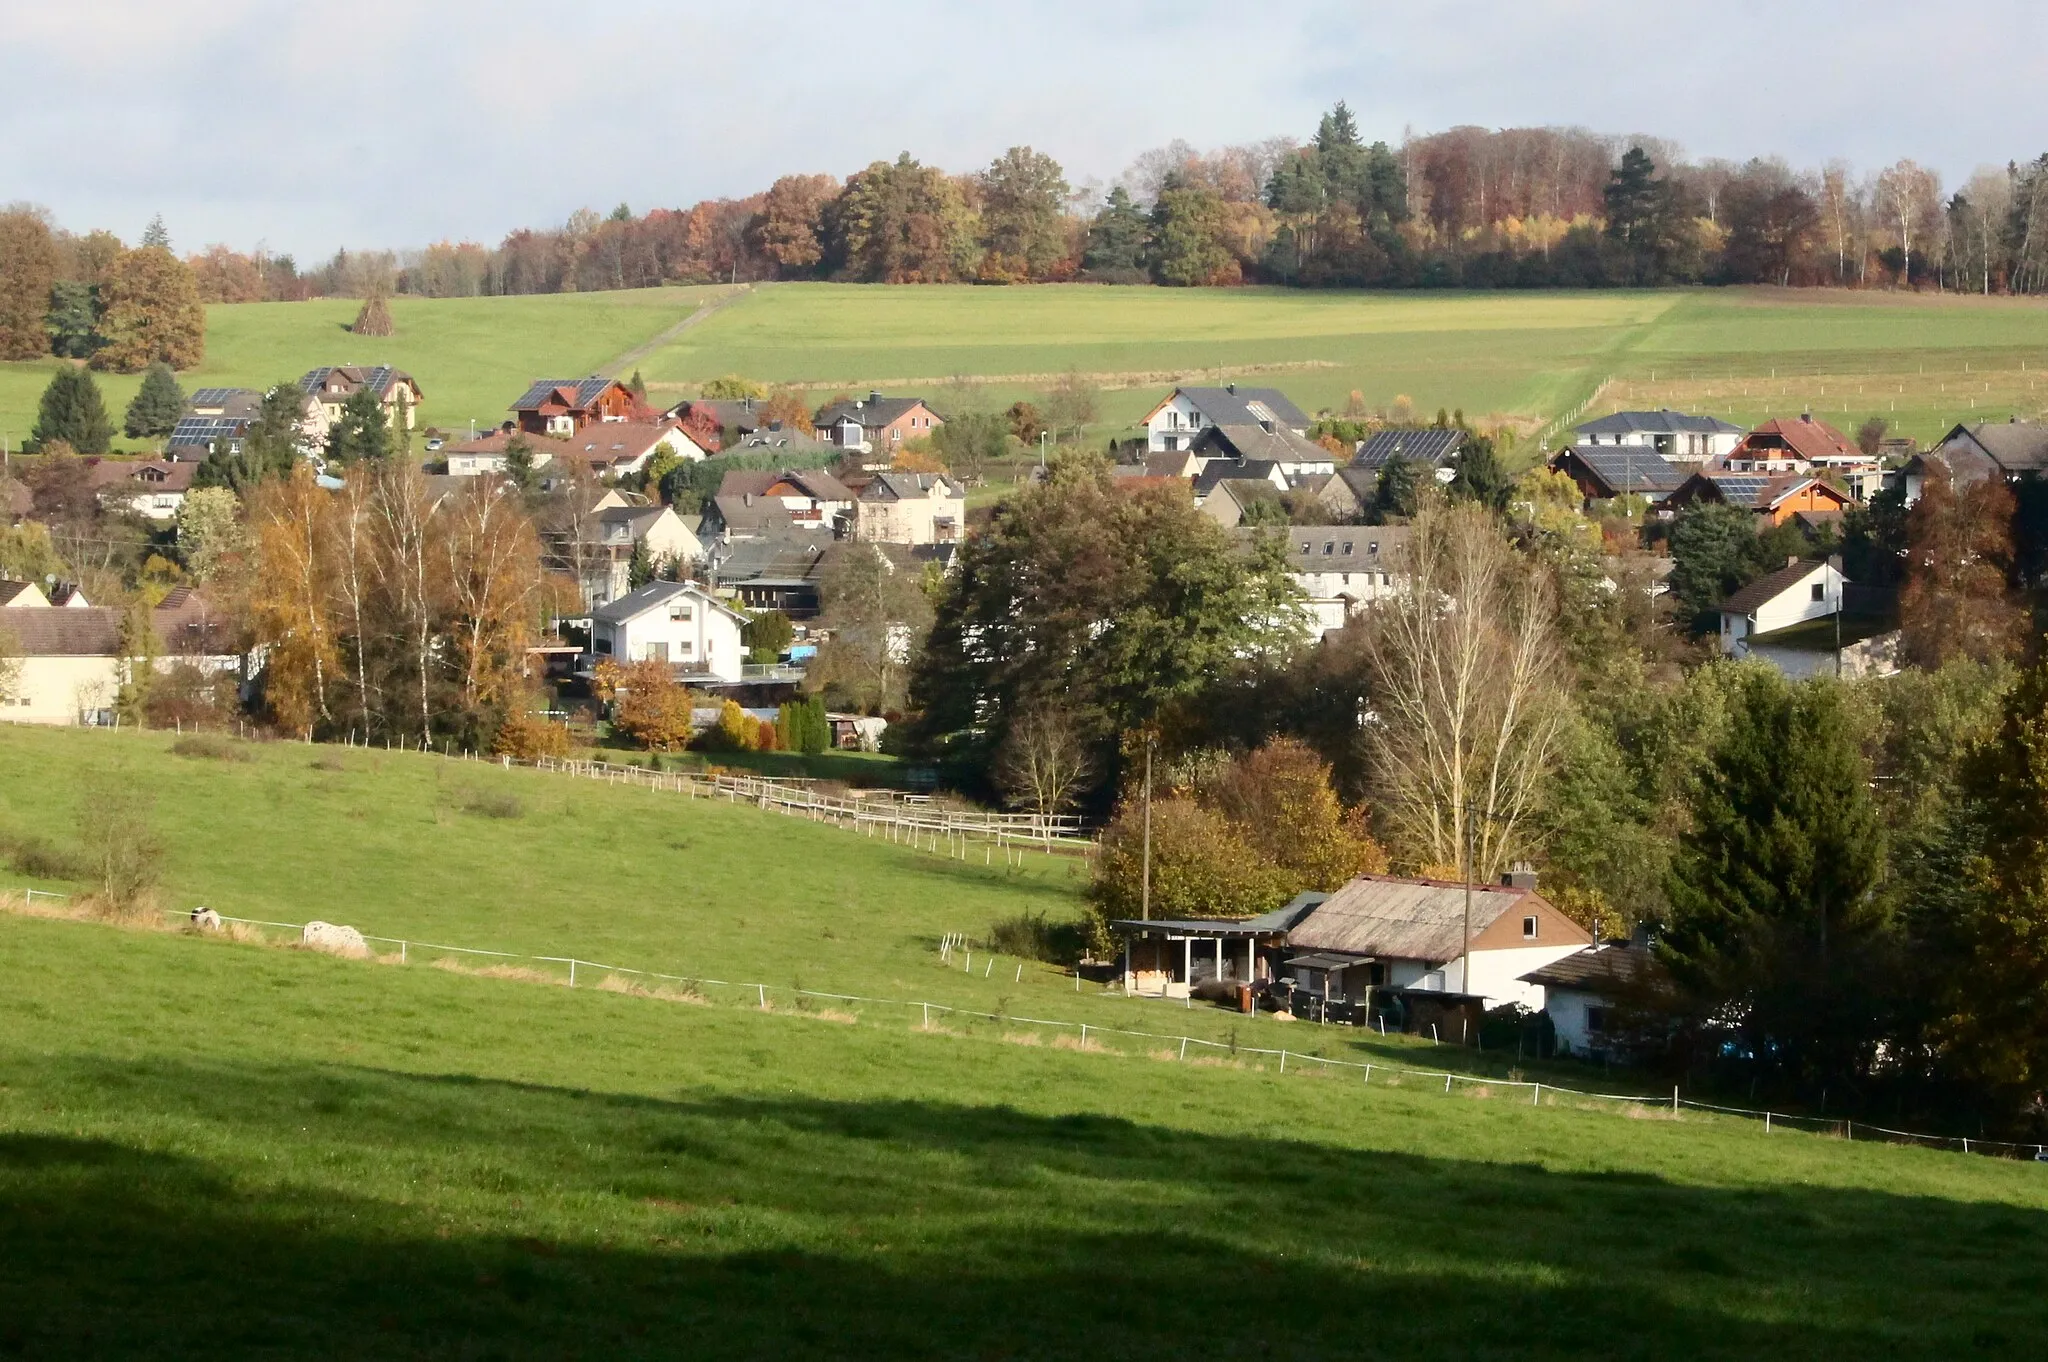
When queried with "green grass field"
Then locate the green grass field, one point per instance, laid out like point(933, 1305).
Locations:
point(1922, 361)
point(215, 1148)
point(472, 356)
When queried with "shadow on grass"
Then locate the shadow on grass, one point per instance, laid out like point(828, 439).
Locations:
point(360, 1212)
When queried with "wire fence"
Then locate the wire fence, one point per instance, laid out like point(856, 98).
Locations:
point(1092, 1035)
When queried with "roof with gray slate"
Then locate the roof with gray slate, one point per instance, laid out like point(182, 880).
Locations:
point(1656, 423)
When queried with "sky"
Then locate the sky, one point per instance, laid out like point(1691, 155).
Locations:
point(395, 123)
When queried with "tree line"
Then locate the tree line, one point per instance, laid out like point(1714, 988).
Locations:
point(1469, 207)
point(93, 298)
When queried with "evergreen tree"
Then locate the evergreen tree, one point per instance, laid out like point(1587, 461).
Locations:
point(1776, 925)
point(1396, 492)
point(1116, 241)
point(363, 432)
point(519, 463)
point(74, 320)
point(269, 447)
point(1480, 476)
point(637, 386)
point(156, 234)
point(640, 567)
point(157, 404)
point(1185, 248)
point(72, 412)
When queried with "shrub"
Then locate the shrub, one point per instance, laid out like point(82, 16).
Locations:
point(492, 804)
point(735, 731)
point(124, 854)
point(1032, 937)
point(211, 747)
point(525, 735)
point(184, 697)
point(39, 860)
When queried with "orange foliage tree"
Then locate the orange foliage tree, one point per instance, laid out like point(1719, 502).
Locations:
point(1959, 553)
point(647, 704)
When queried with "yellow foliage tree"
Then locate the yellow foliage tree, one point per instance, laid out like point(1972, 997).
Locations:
point(289, 600)
point(647, 704)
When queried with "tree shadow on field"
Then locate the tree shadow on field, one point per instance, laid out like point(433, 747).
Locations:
point(361, 1212)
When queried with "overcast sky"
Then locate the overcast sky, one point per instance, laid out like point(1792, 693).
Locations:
point(399, 122)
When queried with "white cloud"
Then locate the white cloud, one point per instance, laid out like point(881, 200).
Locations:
point(396, 123)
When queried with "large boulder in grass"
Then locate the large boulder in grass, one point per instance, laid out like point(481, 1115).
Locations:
point(326, 936)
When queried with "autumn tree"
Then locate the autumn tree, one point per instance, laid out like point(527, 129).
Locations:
point(1201, 864)
point(1467, 700)
point(290, 604)
point(412, 587)
point(788, 229)
point(492, 557)
point(786, 408)
point(152, 313)
point(1908, 199)
point(1185, 242)
point(73, 414)
point(157, 404)
point(647, 704)
point(210, 530)
point(28, 272)
point(1070, 405)
point(1958, 600)
point(1023, 228)
point(902, 222)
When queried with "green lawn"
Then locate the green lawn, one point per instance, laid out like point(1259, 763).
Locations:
point(472, 356)
point(220, 1150)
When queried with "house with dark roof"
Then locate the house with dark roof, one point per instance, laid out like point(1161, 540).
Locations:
point(875, 423)
point(597, 547)
point(774, 570)
point(1185, 414)
point(910, 508)
point(332, 386)
point(563, 406)
point(1586, 996)
point(1673, 435)
point(679, 623)
point(2011, 449)
point(1342, 570)
point(1218, 471)
point(813, 498)
point(70, 665)
point(1808, 619)
point(1774, 497)
point(1433, 447)
point(1233, 502)
point(1604, 472)
point(1411, 938)
point(1293, 453)
point(151, 488)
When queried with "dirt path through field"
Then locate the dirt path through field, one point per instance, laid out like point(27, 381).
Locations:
point(618, 367)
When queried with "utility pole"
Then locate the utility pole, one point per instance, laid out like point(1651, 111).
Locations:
point(1145, 885)
point(1465, 942)
point(1041, 461)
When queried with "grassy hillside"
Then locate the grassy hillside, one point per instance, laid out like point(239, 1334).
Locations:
point(1921, 360)
point(216, 1149)
point(471, 356)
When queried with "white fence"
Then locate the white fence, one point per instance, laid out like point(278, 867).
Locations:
point(762, 995)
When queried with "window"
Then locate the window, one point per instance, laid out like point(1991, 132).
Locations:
point(1329, 547)
point(1596, 1021)
point(1820, 591)
point(1372, 546)
point(1529, 926)
point(657, 652)
point(1307, 547)
point(1348, 546)
point(603, 646)
point(679, 612)
point(1345, 578)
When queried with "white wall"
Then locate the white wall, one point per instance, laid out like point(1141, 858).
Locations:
point(691, 631)
point(58, 689)
point(1496, 974)
point(1789, 607)
point(1567, 1010)
point(1173, 426)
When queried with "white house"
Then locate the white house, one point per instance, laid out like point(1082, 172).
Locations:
point(675, 622)
point(618, 448)
point(1344, 570)
point(910, 508)
point(1582, 992)
point(1679, 438)
point(1179, 420)
point(151, 488)
point(1383, 932)
point(1804, 589)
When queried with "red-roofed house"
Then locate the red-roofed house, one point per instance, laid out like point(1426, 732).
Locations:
point(146, 487)
point(563, 406)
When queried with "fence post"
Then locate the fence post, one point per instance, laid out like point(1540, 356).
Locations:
point(1674, 1099)
point(572, 974)
point(1368, 1075)
point(764, 996)
point(1536, 1099)
point(1183, 1047)
point(1283, 1060)
point(401, 953)
point(1447, 1085)
point(927, 1015)
point(1084, 1033)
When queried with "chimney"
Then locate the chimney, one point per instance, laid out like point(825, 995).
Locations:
point(1807, 417)
point(1791, 560)
point(874, 396)
point(1521, 875)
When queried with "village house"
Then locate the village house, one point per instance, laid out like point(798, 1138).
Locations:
point(598, 547)
point(1672, 435)
point(151, 488)
point(1383, 936)
point(1775, 498)
point(486, 454)
point(1294, 454)
point(774, 570)
point(1236, 502)
point(1433, 447)
point(1791, 446)
point(1585, 994)
point(72, 663)
point(1187, 413)
point(617, 449)
point(1172, 958)
point(813, 498)
point(2011, 449)
point(910, 508)
point(876, 423)
point(563, 406)
point(1807, 619)
point(1603, 472)
point(1343, 570)
point(1343, 495)
point(29, 596)
point(333, 385)
point(675, 622)
point(219, 419)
